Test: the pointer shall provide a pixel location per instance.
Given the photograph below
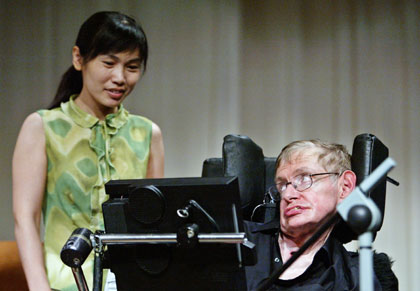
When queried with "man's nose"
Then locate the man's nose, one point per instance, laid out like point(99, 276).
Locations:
point(290, 193)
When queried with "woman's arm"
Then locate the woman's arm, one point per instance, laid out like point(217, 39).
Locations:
point(155, 167)
point(29, 169)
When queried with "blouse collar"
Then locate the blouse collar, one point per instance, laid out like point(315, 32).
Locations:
point(86, 120)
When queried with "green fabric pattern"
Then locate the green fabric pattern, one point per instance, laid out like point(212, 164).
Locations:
point(83, 154)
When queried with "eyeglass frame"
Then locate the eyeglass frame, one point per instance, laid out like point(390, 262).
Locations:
point(276, 191)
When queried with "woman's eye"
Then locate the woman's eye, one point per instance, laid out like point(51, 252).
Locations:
point(133, 68)
point(108, 63)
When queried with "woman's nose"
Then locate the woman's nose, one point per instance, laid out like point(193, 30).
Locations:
point(118, 76)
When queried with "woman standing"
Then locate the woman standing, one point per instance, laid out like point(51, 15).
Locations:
point(65, 155)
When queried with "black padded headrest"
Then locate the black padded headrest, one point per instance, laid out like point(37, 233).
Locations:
point(213, 167)
point(245, 159)
point(367, 154)
point(242, 158)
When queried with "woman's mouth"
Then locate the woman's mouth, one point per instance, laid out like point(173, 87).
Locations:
point(115, 93)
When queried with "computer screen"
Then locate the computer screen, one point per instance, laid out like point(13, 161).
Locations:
point(161, 206)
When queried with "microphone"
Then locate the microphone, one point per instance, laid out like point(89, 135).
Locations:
point(77, 248)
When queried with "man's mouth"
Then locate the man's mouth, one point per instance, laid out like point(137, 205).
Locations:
point(290, 211)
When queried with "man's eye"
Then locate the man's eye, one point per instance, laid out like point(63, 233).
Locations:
point(282, 186)
point(303, 178)
point(108, 63)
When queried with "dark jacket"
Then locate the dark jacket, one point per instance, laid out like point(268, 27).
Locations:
point(333, 267)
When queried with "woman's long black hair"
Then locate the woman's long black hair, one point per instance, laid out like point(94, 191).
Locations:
point(102, 33)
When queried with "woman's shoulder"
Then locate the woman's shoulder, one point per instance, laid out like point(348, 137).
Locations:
point(49, 113)
point(33, 122)
point(55, 118)
point(139, 120)
point(144, 123)
point(32, 128)
point(138, 117)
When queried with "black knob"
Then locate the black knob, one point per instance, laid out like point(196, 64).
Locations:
point(359, 218)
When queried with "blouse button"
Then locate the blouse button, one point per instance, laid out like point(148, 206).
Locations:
point(277, 260)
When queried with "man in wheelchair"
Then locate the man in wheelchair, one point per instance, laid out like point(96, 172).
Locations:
point(311, 179)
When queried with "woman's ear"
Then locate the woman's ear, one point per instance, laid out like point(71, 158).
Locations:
point(77, 58)
point(348, 183)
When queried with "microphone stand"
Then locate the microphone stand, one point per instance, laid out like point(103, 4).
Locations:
point(362, 215)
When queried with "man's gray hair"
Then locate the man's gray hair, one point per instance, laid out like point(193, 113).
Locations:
point(333, 157)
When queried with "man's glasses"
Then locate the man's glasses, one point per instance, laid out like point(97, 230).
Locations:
point(300, 183)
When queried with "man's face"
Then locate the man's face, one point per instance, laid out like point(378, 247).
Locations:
point(301, 213)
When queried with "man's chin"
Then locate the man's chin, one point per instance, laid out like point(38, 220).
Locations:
point(298, 225)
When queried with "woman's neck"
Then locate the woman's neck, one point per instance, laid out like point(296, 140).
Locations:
point(93, 108)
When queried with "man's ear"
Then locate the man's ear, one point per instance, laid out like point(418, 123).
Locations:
point(77, 58)
point(348, 183)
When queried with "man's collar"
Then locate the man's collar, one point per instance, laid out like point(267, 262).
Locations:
point(272, 226)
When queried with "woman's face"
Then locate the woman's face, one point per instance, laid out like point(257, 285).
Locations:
point(108, 79)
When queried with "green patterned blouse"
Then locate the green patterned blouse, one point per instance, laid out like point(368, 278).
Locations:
point(83, 154)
